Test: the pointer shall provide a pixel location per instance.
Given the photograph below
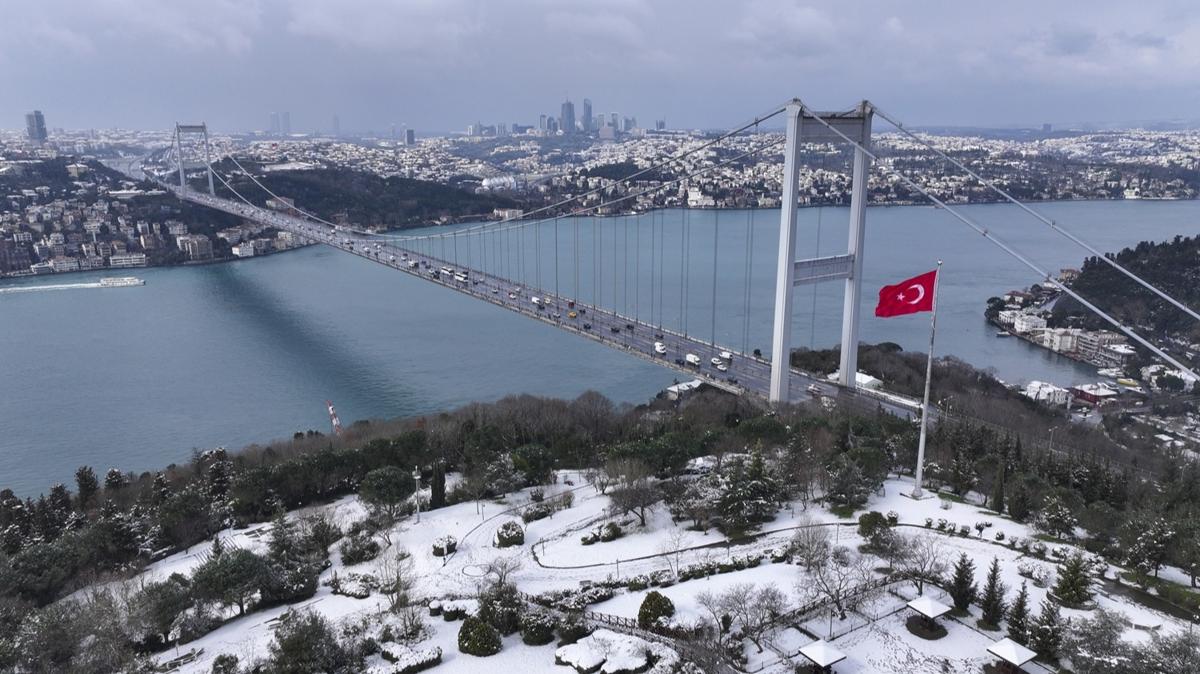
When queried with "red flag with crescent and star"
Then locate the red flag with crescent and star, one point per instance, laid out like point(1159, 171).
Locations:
point(907, 297)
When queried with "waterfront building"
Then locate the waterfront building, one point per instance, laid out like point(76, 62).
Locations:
point(1026, 323)
point(1045, 392)
point(127, 260)
point(244, 250)
point(195, 246)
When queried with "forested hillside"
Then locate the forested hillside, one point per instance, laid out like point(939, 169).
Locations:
point(367, 200)
point(1173, 266)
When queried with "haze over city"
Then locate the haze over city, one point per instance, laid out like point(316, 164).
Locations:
point(439, 65)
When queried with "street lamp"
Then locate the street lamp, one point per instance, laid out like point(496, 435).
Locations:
point(1052, 429)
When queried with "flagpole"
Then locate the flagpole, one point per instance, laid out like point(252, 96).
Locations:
point(937, 281)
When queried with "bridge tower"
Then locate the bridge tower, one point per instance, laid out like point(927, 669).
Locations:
point(807, 126)
point(200, 129)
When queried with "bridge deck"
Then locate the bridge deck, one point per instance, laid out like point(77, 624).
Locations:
point(746, 374)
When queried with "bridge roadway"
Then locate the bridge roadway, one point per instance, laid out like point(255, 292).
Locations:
point(746, 373)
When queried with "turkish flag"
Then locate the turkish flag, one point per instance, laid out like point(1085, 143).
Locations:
point(907, 297)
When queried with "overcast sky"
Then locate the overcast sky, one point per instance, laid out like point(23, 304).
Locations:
point(438, 65)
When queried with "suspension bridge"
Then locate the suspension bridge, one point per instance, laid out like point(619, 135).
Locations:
point(493, 261)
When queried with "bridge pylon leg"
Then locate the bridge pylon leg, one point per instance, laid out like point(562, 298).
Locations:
point(848, 366)
point(781, 341)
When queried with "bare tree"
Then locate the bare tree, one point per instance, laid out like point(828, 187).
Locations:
point(714, 605)
point(923, 560)
point(598, 479)
point(397, 578)
point(811, 544)
point(754, 608)
point(671, 547)
point(502, 567)
point(635, 491)
point(839, 580)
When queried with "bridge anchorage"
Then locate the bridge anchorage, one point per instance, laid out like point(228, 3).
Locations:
point(536, 264)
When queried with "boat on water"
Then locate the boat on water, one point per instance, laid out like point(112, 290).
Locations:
point(1111, 372)
point(110, 282)
point(1003, 333)
point(121, 282)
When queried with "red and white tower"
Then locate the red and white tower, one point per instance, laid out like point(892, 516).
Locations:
point(333, 418)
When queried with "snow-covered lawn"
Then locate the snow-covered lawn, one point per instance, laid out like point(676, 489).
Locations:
point(883, 647)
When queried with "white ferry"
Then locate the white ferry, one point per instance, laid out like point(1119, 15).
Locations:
point(121, 282)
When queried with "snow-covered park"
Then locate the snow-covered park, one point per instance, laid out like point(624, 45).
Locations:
point(694, 570)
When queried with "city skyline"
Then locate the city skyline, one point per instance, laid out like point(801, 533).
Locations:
point(1022, 64)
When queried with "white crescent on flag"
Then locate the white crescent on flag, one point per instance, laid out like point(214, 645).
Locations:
point(920, 292)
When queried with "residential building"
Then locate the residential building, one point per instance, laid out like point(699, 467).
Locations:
point(127, 260)
point(35, 127)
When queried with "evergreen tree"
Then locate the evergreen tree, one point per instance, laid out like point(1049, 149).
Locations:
point(1146, 539)
point(86, 486)
point(1018, 616)
point(385, 491)
point(230, 579)
point(749, 494)
point(292, 568)
point(1046, 632)
point(1055, 518)
point(437, 486)
point(1020, 502)
point(1074, 586)
point(998, 486)
point(962, 583)
point(114, 480)
point(992, 602)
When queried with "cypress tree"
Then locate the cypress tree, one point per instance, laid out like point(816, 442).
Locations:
point(962, 585)
point(1074, 586)
point(1046, 632)
point(1018, 616)
point(993, 603)
point(998, 486)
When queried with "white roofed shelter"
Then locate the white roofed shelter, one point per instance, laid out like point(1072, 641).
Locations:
point(1011, 653)
point(822, 654)
point(929, 607)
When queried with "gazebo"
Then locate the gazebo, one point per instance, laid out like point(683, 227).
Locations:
point(929, 610)
point(1011, 654)
point(822, 654)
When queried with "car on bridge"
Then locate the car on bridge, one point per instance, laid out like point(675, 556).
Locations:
point(660, 348)
point(692, 359)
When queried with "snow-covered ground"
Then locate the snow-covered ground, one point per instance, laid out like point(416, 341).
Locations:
point(880, 648)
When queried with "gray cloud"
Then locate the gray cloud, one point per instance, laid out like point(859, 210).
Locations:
point(441, 64)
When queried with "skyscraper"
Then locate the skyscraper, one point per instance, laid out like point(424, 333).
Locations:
point(274, 126)
point(567, 120)
point(35, 127)
point(410, 137)
point(285, 123)
point(587, 115)
point(337, 126)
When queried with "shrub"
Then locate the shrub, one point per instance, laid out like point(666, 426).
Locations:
point(537, 511)
point(537, 628)
point(444, 546)
point(928, 522)
point(654, 606)
point(572, 629)
point(509, 534)
point(611, 532)
point(478, 638)
point(359, 548)
point(893, 517)
point(225, 663)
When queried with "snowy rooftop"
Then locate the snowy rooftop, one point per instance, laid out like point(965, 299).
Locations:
point(928, 607)
point(822, 654)
point(1011, 652)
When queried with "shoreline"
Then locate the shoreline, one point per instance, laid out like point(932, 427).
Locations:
point(188, 263)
